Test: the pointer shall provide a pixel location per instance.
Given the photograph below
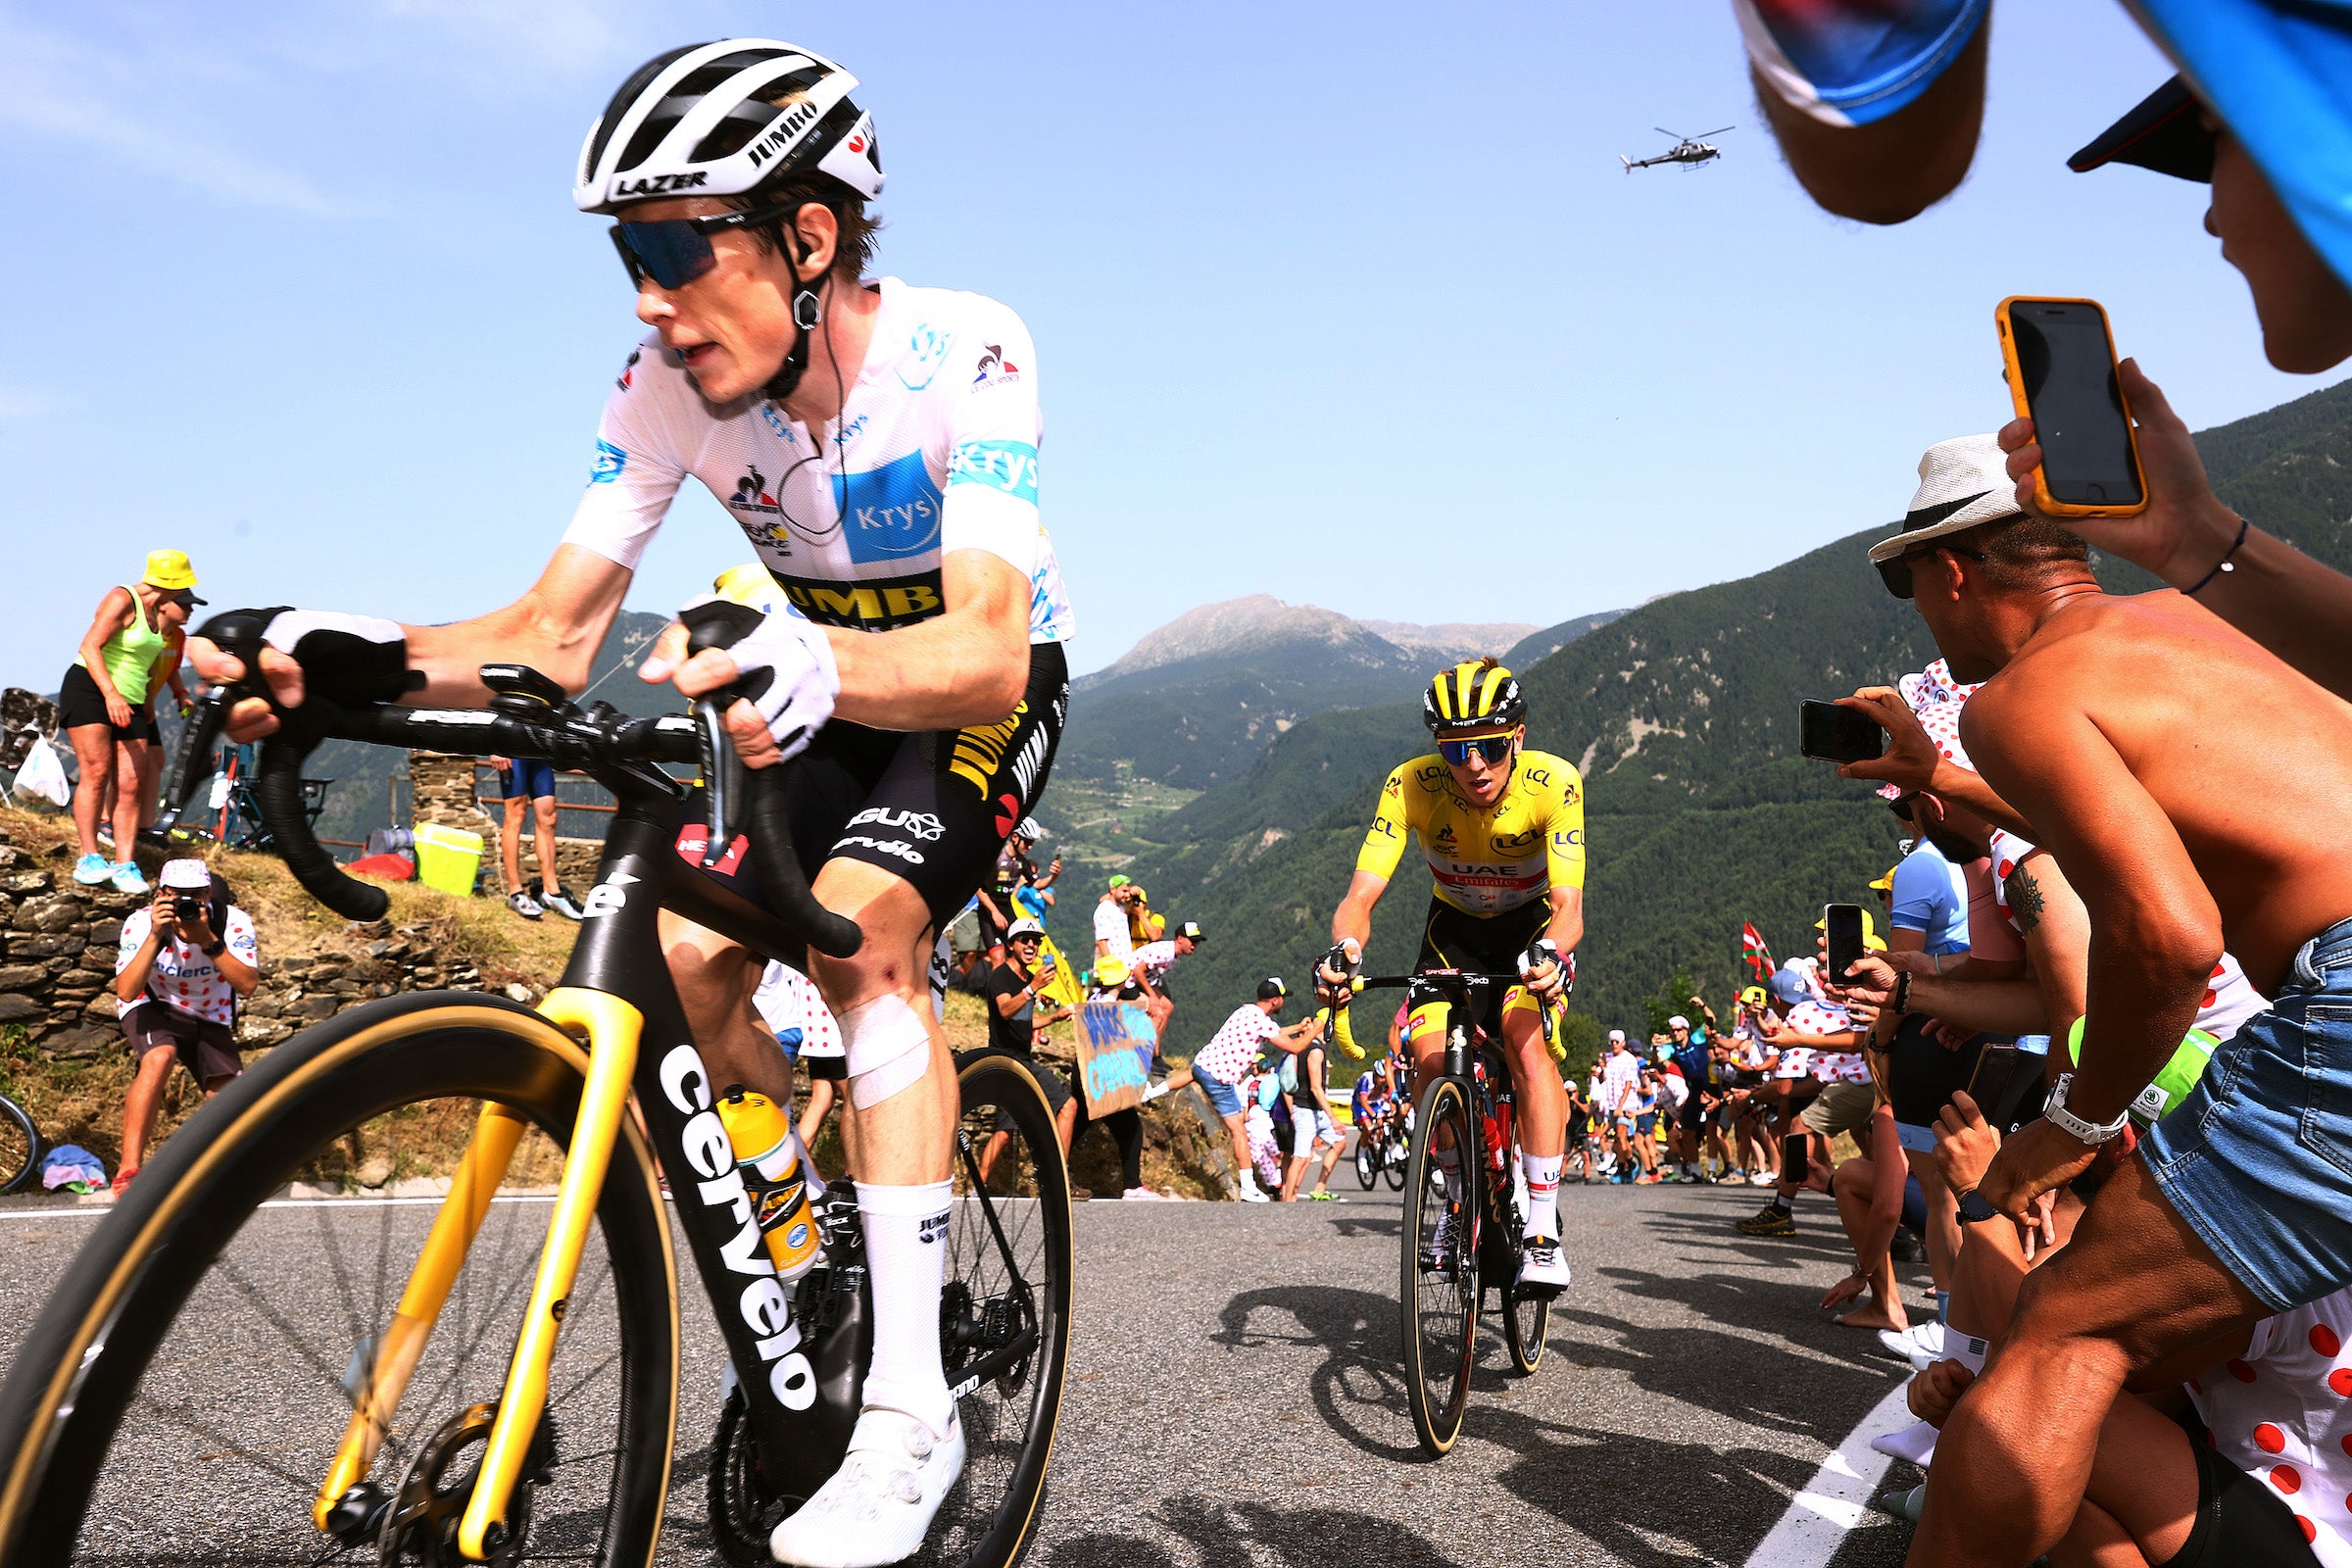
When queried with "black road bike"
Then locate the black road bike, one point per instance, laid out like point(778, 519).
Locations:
point(1461, 1238)
point(1381, 1149)
point(484, 1374)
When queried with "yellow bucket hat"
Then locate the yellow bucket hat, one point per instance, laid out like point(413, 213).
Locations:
point(168, 569)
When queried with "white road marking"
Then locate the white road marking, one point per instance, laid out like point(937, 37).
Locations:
point(1838, 1497)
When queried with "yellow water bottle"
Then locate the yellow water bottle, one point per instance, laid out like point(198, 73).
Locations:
point(768, 1156)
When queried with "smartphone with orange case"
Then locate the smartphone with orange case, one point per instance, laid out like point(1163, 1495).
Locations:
point(2059, 359)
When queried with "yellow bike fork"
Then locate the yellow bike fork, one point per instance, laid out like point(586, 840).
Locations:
point(612, 1028)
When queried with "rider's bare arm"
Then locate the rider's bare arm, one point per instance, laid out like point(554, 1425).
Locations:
point(1352, 921)
point(1566, 927)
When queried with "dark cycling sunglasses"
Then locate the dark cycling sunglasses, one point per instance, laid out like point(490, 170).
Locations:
point(1495, 749)
point(1897, 574)
point(675, 251)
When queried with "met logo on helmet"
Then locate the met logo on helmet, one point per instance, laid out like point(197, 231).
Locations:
point(659, 184)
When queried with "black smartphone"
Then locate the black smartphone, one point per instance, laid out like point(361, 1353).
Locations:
point(2060, 362)
point(1829, 733)
point(1843, 924)
point(1795, 1162)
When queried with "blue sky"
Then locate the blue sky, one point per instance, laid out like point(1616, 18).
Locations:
point(1348, 304)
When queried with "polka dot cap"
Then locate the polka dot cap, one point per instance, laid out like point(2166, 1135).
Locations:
point(1936, 699)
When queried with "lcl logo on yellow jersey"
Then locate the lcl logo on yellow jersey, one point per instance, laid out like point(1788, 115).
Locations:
point(1518, 842)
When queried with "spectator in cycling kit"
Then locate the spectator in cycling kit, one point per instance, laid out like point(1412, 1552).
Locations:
point(528, 784)
point(177, 985)
point(1503, 832)
point(876, 443)
point(1019, 890)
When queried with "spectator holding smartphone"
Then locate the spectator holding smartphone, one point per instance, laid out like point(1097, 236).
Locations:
point(185, 962)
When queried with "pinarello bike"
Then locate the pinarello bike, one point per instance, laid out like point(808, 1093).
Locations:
point(1464, 1238)
point(222, 1376)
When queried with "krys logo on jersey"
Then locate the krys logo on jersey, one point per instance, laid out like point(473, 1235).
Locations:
point(889, 512)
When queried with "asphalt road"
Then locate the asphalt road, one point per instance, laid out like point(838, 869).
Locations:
point(1234, 1396)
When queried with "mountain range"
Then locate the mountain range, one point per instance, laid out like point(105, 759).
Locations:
point(1682, 717)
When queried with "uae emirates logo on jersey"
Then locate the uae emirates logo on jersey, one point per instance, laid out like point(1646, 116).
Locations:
point(995, 368)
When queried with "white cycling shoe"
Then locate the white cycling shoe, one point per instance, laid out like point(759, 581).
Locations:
point(1921, 1344)
point(1542, 1271)
point(878, 1507)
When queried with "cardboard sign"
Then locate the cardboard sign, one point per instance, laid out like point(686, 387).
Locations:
point(1115, 1047)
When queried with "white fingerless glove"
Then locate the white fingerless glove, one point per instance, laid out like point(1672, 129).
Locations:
point(801, 679)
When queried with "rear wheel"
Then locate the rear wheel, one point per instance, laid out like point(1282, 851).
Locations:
point(1005, 1335)
point(1370, 1151)
point(203, 1345)
point(1438, 1292)
point(1526, 1319)
point(19, 1145)
point(1394, 1153)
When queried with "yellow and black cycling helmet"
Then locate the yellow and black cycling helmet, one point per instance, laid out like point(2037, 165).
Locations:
point(1476, 697)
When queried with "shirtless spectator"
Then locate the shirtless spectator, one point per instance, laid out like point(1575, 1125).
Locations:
point(2098, 723)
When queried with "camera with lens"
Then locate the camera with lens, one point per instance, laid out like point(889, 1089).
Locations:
point(188, 909)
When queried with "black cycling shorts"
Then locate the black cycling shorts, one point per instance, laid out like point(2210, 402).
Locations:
point(933, 808)
point(2239, 1520)
point(1481, 943)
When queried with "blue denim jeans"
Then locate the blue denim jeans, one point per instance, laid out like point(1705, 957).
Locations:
point(2258, 1157)
point(1221, 1095)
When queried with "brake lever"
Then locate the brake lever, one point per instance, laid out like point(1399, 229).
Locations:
point(719, 623)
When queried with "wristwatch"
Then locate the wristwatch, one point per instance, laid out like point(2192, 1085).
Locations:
point(218, 948)
point(1973, 1211)
point(2083, 1132)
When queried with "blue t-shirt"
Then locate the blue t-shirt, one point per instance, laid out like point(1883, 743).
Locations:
point(1694, 1061)
point(1930, 896)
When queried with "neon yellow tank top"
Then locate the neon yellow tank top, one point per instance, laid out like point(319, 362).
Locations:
point(130, 652)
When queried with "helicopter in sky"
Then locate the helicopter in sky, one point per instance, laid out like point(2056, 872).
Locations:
point(1688, 151)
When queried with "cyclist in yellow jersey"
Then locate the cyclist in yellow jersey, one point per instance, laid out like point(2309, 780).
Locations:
point(1503, 832)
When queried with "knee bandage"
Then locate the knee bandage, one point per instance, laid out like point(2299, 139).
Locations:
point(888, 1050)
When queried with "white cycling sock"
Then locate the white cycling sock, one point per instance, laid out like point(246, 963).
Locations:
point(907, 1258)
point(1449, 1162)
point(1965, 1348)
point(1542, 1194)
point(1913, 1445)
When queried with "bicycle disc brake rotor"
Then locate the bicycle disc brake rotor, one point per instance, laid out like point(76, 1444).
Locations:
point(421, 1526)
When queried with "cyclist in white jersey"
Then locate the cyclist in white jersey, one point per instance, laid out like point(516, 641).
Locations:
point(877, 443)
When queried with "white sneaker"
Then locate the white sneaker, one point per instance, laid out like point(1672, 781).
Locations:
point(1250, 1194)
point(1921, 1344)
point(1542, 1268)
point(1141, 1194)
point(879, 1505)
point(127, 878)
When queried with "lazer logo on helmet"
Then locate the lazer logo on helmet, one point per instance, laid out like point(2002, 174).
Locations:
point(764, 1305)
point(788, 129)
point(659, 184)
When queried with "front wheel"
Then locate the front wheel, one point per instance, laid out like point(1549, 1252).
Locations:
point(1438, 1292)
point(184, 1392)
point(19, 1145)
point(1393, 1152)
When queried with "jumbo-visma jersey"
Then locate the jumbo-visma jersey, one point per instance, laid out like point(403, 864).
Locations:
point(1487, 860)
point(935, 451)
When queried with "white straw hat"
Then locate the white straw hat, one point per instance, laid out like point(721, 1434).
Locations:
point(1962, 483)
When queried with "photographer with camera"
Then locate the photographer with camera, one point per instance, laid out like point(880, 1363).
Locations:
point(185, 962)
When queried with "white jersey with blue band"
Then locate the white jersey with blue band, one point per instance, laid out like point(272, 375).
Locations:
point(935, 451)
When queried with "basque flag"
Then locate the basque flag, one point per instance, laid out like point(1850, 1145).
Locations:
point(1754, 952)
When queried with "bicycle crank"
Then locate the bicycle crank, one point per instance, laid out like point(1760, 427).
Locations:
point(420, 1525)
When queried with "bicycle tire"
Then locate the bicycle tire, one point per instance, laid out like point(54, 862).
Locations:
point(1526, 1319)
point(82, 1365)
point(1396, 1153)
point(19, 1145)
point(985, 1522)
point(1438, 1308)
point(1367, 1158)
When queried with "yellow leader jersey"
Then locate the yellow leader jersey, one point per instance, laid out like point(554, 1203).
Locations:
point(1486, 861)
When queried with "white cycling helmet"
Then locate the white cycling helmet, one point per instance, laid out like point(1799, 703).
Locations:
point(1029, 829)
point(723, 118)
